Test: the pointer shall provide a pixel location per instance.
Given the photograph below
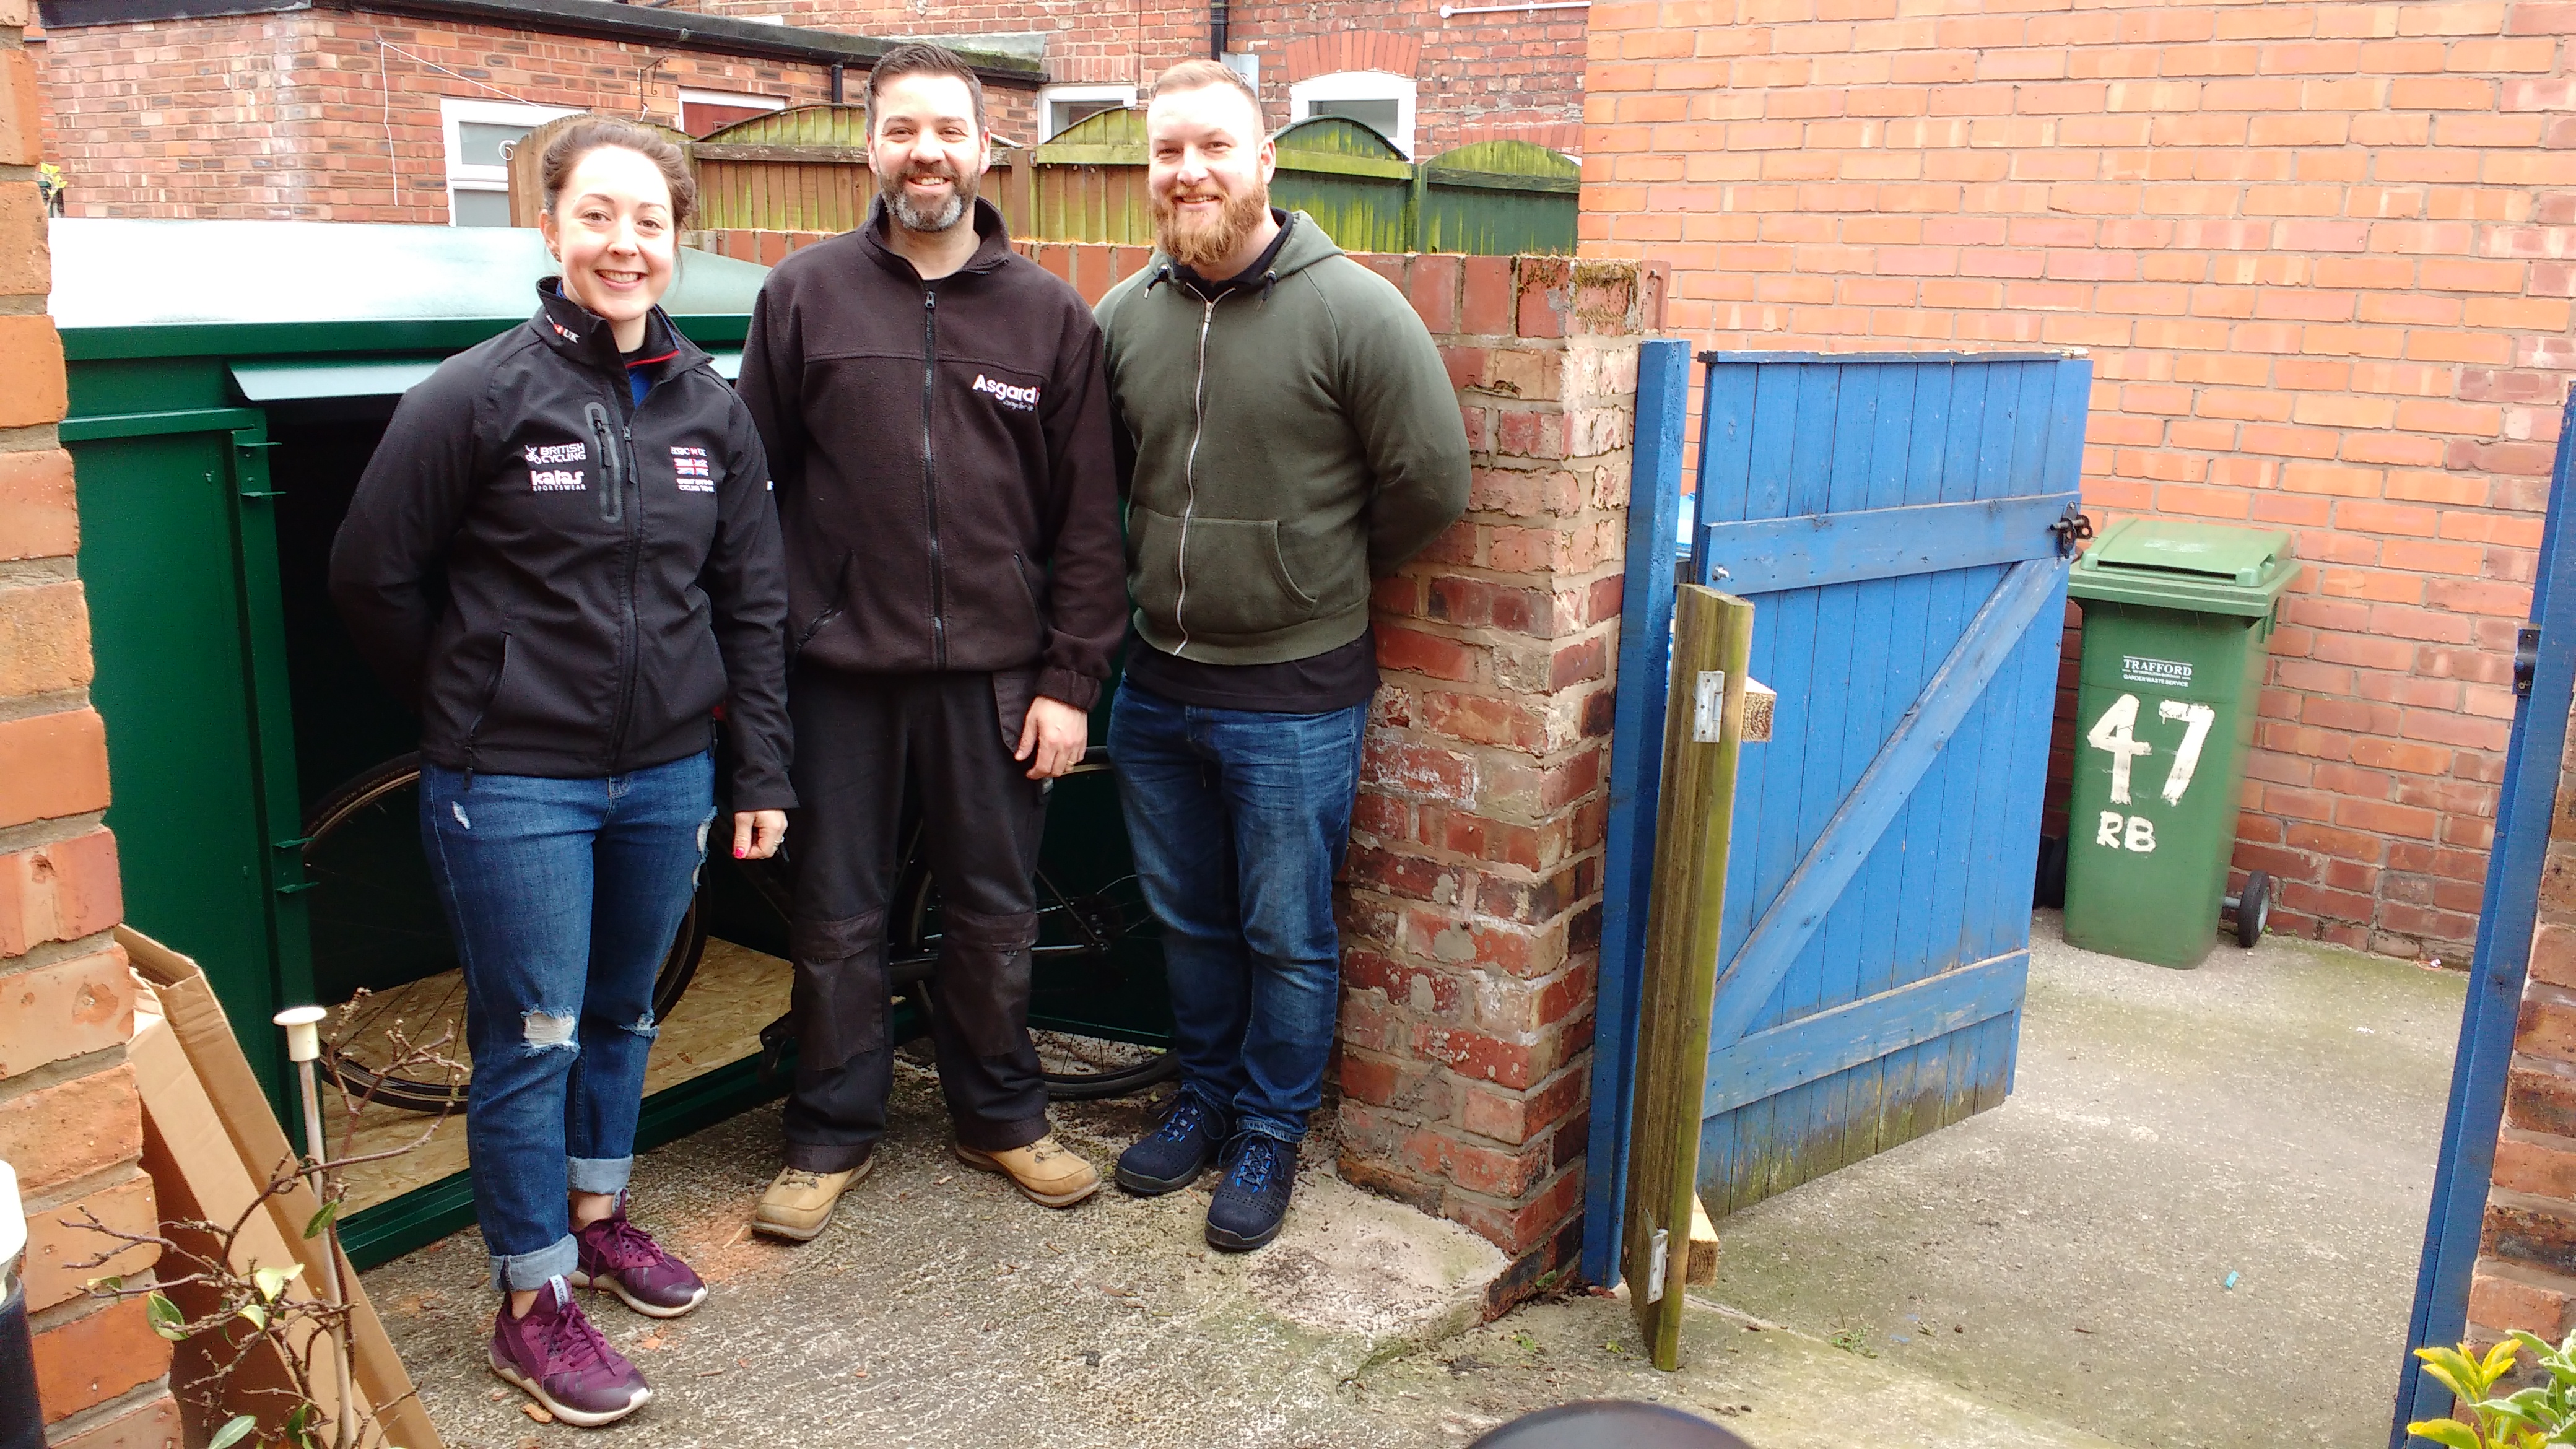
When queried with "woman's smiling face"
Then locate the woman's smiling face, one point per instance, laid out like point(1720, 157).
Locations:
point(611, 229)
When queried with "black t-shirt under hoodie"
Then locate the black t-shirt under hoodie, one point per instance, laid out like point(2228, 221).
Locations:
point(1335, 679)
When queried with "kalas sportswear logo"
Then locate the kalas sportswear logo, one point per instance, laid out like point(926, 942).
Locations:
point(543, 479)
point(1024, 399)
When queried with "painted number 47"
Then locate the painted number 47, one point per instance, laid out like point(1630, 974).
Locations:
point(2116, 732)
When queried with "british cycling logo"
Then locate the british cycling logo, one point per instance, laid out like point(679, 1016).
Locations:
point(543, 479)
point(1024, 399)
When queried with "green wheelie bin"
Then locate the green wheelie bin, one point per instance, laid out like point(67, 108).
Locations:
point(2177, 620)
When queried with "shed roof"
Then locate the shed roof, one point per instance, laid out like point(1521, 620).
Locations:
point(139, 288)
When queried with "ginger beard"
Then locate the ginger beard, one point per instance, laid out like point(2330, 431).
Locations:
point(912, 217)
point(1199, 241)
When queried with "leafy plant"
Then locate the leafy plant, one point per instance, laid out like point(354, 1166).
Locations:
point(2534, 1417)
point(251, 1307)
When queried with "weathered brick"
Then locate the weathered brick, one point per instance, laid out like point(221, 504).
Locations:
point(66, 1009)
point(59, 1238)
point(96, 1357)
point(59, 892)
point(39, 517)
point(44, 639)
point(72, 1128)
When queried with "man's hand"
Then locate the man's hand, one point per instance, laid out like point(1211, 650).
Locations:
point(756, 833)
point(1055, 733)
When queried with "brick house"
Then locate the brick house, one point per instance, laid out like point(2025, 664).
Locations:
point(71, 1121)
point(397, 110)
point(2320, 255)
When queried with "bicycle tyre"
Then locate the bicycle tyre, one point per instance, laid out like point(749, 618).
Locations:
point(337, 813)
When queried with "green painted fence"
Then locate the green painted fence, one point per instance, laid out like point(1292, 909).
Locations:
point(805, 169)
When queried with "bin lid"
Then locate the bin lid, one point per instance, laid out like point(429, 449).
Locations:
point(2176, 564)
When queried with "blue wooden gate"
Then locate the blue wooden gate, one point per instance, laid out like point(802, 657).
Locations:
point(2544, 679)
point(1901, 524)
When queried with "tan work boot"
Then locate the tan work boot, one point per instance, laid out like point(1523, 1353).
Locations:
point(800, 1203)
point(1045, 1171)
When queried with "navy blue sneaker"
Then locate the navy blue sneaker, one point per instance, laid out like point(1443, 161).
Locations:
point(1253, 1200)
point(1171, 1157)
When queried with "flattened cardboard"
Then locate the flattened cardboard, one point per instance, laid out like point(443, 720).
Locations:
point(196, 1025)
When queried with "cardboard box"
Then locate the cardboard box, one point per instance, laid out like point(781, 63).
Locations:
point(211, 1142)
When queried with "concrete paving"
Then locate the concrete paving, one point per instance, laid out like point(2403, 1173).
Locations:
point(2271, 1118)
point(2050, 1275)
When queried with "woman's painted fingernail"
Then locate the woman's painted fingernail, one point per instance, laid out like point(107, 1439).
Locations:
point(741, 853)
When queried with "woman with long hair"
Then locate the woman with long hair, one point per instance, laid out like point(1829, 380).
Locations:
point(565, 557)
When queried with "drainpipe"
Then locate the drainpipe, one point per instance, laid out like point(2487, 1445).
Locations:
point(836, 82)
point(1216, 29)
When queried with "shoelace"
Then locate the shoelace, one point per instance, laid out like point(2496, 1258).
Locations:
point(1253, 1167)
point(1185, 1119)
point(573, 1344)
point(796, 1179)
point(625, 1245)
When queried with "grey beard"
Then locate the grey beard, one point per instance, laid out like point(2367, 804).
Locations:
point(913, 218)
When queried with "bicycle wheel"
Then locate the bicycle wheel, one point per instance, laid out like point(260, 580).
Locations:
point(382, 957)
point(1077, 1068)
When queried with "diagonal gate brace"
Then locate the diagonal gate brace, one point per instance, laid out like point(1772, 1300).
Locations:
point(1791, 921)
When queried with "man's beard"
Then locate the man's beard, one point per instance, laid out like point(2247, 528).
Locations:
point(911, 216)
point(1199, 245)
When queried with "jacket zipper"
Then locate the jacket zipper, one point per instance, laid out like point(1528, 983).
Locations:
point(630, 653)
point(1190, 473)
point(929, 486)
point(491, 692)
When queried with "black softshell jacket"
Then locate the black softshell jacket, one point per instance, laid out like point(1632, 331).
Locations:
point(945, 480)
point(563, 582)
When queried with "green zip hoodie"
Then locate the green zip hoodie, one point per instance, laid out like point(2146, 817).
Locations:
point(1291, 438)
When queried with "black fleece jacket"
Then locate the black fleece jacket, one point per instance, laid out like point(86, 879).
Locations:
point(566, 583)
point(942, 449)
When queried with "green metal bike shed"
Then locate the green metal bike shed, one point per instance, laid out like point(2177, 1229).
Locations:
point(228, 382)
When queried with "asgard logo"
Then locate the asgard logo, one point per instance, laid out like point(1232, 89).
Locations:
point(1023, 398)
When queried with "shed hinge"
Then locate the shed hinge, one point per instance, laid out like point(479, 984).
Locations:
point(2526, 659)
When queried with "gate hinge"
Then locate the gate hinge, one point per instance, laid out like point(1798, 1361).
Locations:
point(2526, 659)
point(2074, 528)
point(1658, 1262)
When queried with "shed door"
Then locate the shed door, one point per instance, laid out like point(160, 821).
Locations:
point(179, 556)
point(1891, 521)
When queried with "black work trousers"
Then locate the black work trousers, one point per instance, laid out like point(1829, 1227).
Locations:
point(865, 742)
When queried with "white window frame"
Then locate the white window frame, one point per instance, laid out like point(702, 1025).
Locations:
point(454, 113)
point(1049, 95)
point(1357, 85)
point(739, 100)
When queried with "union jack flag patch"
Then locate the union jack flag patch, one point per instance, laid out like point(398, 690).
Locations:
point(691, 466)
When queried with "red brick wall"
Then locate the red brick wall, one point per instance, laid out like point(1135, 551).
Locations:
point(71, 1124)
point(286, 116)
point(1480, 77)
point(1471, 908)
point(2318, 252)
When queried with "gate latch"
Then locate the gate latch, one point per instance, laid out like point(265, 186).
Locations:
point(2526, 659)
point(2074, 528)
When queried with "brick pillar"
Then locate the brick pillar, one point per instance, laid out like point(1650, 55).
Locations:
point(2526, 1271)
point(1471, 911)
point(70, 1122)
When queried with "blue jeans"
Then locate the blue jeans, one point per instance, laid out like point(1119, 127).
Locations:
point(1239, 820)
point(563, 897)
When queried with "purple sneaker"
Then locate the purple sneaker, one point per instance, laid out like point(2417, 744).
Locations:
point(557, 1358)
point(624, 1259)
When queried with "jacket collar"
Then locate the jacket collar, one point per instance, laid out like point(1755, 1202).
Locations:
point(992, 247)
point(1301, 244)
point(585, 337)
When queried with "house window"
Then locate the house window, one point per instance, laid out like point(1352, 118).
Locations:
point(479, 136)
point(704, 111)
point(1064, 105)
point(1382, 102)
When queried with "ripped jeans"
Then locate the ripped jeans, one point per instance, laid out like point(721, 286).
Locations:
point(562, 896)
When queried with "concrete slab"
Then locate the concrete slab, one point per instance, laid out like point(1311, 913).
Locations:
point(2274, 1115)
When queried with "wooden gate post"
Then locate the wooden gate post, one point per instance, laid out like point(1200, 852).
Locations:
point(1703, 730)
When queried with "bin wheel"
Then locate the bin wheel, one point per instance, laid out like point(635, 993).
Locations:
point(2253, 908)
point(2048, 888)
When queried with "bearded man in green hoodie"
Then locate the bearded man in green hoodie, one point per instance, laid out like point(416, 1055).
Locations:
point(1287, 431)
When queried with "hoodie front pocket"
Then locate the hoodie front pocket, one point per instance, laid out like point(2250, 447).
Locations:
point(1233, 581)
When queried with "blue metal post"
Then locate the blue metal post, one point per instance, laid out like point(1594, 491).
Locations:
point(1636, 769)
point(2524, 808)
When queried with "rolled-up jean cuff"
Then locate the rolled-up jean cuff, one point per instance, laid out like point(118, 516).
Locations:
point(526, 1271)
point(601, 1174)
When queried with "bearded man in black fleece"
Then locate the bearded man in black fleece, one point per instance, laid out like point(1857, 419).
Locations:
point(935, 407)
